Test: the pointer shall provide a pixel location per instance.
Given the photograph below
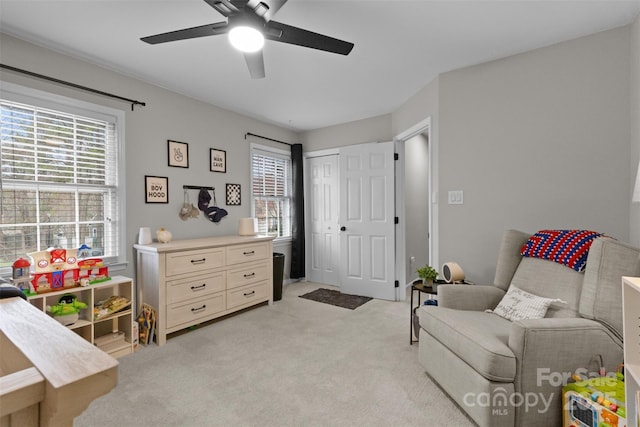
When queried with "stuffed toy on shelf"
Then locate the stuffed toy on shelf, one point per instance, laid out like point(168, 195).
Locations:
point(67, 309)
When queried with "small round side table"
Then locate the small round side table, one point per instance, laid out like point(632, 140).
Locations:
point(421, 288)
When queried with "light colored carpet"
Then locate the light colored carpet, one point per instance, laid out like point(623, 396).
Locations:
point(295, 363)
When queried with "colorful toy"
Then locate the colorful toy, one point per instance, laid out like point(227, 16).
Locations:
point(94, 270)
point(594, 402)
point(67, 309)
point(84, 251)
point(57, 269)
point(109, 306)
point(21, 276)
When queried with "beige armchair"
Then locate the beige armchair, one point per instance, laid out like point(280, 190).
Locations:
point(511, 373)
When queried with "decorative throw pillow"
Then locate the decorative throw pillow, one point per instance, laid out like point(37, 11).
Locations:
point(518, 304)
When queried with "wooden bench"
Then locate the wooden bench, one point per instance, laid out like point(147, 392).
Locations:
point(48, 374)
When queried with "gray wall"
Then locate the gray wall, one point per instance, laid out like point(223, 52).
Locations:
point(167, 116)
point(374, 129)
point(536, 140)
point(423, 104)
point(634, 219)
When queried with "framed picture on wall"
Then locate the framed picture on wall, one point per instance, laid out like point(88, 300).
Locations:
point(156, 189)
point(233, 195)
point(178, 154)
point(218, 160)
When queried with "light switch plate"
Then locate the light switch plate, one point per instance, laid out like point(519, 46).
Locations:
point(456, 197)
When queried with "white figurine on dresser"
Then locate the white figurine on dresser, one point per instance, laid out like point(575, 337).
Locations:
point(192, 281)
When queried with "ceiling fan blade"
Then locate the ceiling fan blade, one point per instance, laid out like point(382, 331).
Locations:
point(188, 33)
point(265, 8)
point(255, 63)
point(280, 32)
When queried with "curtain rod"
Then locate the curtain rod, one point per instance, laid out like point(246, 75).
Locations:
point(62, 82)
point(264, 137)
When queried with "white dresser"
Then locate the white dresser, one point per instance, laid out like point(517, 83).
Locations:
point(192, 281)
point(631, 331)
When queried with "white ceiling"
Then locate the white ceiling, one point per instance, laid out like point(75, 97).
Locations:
point(400, 46)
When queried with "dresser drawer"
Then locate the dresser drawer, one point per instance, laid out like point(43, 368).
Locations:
point(194, 261)
point(247, 253)
point(195, 286)
point(188, 312)
point(247, 294)
point(247, 274)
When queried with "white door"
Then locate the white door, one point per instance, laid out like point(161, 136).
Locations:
point(367, 238)
point(323, 245)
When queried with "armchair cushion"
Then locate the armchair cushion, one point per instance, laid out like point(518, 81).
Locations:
point(550, 280)
point(519, 305)
point(469, 297)
point(479, 338)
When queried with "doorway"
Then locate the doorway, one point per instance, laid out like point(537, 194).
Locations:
point(416, 198)
point(350, 238)
point(405, 265)
point(416, 172)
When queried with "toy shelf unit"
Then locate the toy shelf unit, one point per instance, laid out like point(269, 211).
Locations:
point(107, 317)
point(631, 328)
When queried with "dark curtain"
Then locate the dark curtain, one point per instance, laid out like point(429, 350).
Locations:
point(297, 214)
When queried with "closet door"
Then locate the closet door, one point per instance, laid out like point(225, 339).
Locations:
point(367, 208)
point(322, 240)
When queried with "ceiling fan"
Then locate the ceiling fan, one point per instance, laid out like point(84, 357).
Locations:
point(249, 22)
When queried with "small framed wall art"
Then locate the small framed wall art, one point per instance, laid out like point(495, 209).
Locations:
point(233, 195)
point(218, 160)
point(178, 154)
point(156, 189)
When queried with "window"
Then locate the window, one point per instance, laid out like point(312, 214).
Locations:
point(59, 176)
point(271, 190)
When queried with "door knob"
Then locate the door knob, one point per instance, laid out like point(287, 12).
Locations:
point(343, 228)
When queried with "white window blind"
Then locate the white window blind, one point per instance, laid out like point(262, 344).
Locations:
point(271, 192)
point(59, 182)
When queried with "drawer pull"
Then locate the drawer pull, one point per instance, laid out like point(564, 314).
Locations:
point(193, 310)
point(246, 294)
point(198, 261)
point(246, 276)
point(199, 288)
point(249, 253)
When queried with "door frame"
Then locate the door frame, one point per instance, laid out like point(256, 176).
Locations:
point(423, 126)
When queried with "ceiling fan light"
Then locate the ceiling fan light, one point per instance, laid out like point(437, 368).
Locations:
point(246, 39)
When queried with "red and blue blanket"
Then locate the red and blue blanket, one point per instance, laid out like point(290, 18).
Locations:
point(568, 247)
